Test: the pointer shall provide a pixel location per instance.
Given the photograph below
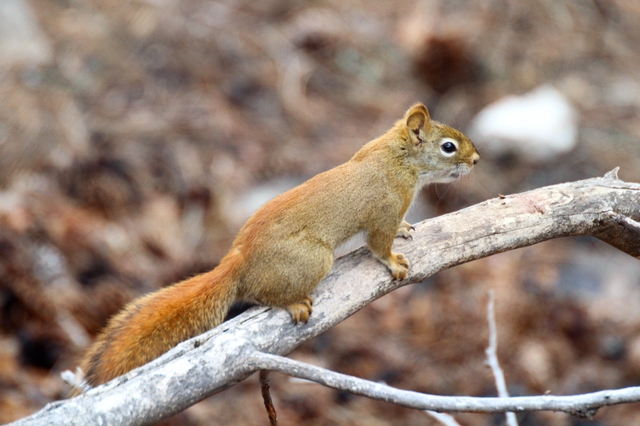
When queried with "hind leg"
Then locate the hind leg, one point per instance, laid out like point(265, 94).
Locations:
point(292, 273)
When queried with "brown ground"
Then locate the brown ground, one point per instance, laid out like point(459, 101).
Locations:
point(132, 132)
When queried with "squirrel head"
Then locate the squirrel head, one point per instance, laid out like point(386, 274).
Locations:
point(439, 152)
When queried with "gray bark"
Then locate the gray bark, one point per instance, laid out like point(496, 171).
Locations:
point(603, 207)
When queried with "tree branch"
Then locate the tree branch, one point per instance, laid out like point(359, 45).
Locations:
point(445, 419)
point(216, 360)
point(266, 397)
point(584, 405)
point(492, 359)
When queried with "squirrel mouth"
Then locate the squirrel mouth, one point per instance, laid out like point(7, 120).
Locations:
point(446, 176)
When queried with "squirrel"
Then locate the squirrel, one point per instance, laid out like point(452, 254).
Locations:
point(287, 247)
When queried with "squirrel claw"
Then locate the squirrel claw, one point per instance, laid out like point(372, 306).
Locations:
point(404, 230)
point(301, 311)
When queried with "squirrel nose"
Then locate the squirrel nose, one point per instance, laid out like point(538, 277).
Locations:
point(476, 158)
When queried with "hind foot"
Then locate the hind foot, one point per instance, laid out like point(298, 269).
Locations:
point(300, 311)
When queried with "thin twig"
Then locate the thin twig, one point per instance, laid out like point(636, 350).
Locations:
point(266, 397)
point(492, 359)
point(585, 405)
point(625, 221)
point(445, 419)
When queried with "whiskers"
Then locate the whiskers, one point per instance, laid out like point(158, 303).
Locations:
point(441, 189)
point(463, 173)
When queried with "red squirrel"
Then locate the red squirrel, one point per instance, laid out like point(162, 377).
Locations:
point(286, 248)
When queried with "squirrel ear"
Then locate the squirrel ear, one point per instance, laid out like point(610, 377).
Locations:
point(417, 117)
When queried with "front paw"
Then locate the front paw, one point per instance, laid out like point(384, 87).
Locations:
point(399, 266)
point(404, 230)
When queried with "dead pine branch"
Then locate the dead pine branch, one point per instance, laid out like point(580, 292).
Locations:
point(606, 208)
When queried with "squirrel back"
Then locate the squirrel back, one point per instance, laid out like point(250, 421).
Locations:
point(286, 248)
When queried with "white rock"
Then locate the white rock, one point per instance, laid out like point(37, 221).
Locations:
point(22, 42)
point(536, 127)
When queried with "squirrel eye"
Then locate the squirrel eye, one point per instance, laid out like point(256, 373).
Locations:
point(448, 147)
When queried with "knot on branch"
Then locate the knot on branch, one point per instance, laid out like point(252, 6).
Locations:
point(613, 174)
point(586, 413)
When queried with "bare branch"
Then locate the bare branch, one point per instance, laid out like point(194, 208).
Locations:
point(216, 360)
point(584, 405)
point(492, 359)
point(445, 419)
point(266, 397)
point(627, 222)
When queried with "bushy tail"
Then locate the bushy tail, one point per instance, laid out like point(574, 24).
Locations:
point(153, 324)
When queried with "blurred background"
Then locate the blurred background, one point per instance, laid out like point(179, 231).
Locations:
point(136, 138)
